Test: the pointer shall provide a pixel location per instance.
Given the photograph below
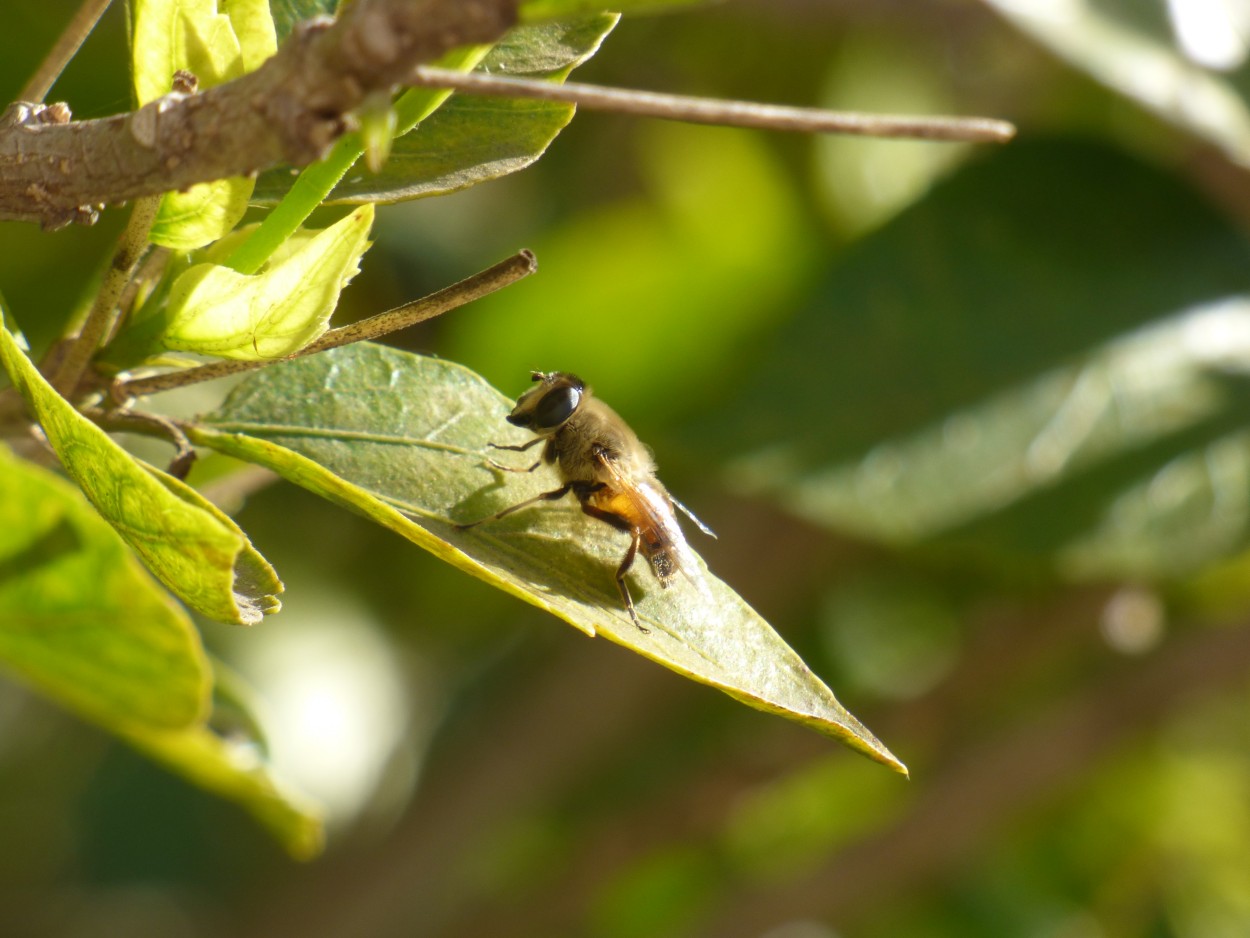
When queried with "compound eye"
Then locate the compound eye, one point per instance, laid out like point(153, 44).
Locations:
point(556, 407)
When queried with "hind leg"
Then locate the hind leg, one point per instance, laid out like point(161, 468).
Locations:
point(544, 497)
point(623, 569)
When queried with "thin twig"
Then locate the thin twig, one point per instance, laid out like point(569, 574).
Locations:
point(149, 424)
point(49, 70)
point(130, 247)
point(506, 272)
point(731, 113)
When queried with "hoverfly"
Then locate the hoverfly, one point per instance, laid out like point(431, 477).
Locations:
point(603, 463)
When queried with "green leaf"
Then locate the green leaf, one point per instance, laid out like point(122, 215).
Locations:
point(379, 430)
point(170, 35)
point(235, 771)
point(205, 212)
point(472, 139)
point(254, 27)
point(79, 617)
point(82, 622)
point(190, 546)
point(314, 183)
point(217, 311)
point(1059, 330)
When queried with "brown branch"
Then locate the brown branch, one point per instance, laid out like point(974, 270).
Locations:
point(724, 113)
point(290, 110)
point(483, 283)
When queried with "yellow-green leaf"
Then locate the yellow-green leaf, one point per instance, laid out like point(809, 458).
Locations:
point(192, 547)
point(214, 310)
point(204, 213)
point(80, 619)
point(214, 46)
point(83, 623)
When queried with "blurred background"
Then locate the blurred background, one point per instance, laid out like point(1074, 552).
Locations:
point(971, 424)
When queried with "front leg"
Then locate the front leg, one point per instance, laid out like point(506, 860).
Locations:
point(544, 497)
point(521, 448)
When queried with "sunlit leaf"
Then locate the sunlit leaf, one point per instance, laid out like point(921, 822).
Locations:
point(192, 547)
point(471, 139)
point(1061, 328)
point(81, 620)
point(206, 211)
point(253, 25)
point(217, 311)
point(191, 35)
point(373, 428)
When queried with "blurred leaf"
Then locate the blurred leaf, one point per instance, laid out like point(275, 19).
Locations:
point(218, 311)
point(472, 139)
point(866, 180)
point(236, 771)
point(191, 547)
point(369, 427)
point(1136, 51)
point(82, 622)
point(79, 617)
point(192, 35)
point(1054, 321)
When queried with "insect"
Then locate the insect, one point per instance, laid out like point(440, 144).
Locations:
point(603, 463)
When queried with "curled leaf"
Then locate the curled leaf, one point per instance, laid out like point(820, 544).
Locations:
point(218, 311)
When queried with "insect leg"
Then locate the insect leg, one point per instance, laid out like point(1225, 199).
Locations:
point(620, 580)
point(516, 449)
point(521, 447)
point(544, 497)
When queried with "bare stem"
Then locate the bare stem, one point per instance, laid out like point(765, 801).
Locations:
point(76, 31)
point(506, 272)
point(731, 113)
point(99, 322)
point(157, 425)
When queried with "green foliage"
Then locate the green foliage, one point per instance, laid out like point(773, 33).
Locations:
point(444, 147)
point(82, 620)
point(343, 425)
point(1039, 373)
point(398, 438)
point(187, 543)
point(970, 422)
point(192, 36)
point(214, 310)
